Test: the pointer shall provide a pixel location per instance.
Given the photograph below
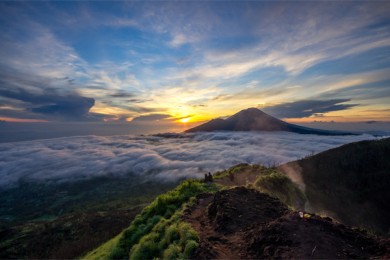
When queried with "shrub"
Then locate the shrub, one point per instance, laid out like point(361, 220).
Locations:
point(189, 249)
point(186, 233)
point(156, 227)
point(168, 239)
point(172, 252)
point(280, 186)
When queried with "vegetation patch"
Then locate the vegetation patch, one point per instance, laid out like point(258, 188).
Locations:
point(280, 186)
point(169, 239)
point(102, 251)
point(240, 168)
point(76, 218)
point(158, 230)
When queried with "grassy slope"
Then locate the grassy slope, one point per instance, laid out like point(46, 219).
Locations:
point(103, 251)
point(347, 177)
point(158, 230)
point(65, 220)
point(263, 179)
point(30, 201)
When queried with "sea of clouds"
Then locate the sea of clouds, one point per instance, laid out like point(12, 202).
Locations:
point(187, 155)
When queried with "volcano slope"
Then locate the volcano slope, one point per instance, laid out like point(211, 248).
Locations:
point(222, 219)
point(349, 183)
point(228, 217)
point(242, 223)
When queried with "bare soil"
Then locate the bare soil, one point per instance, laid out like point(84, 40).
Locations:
point(242, 223)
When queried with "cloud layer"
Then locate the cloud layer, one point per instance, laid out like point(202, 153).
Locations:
point(78, 158)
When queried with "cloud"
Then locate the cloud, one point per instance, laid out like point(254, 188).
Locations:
point(364, 91)
point(50, 103)
point(79, 158)
point(152, 117)
point(178, 40)
point(306, 108)
point(43, 66)
point(122, 94)
point(68, 107)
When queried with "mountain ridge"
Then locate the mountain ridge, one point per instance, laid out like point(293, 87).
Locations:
point(249, 212)
point(253, 119)
point(350, 180)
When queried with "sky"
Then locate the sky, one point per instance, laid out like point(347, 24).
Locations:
point(185, 62)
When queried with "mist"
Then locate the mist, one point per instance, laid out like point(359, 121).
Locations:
point(15, 132)
point(188, 155)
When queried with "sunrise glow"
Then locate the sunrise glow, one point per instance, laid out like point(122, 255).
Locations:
point(163, 61)
point(185, 120)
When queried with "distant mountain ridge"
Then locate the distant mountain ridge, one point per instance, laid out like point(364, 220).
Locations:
point(253, 119)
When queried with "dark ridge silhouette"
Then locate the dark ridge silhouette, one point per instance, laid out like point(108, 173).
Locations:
point(253, 119)
point(351, 183)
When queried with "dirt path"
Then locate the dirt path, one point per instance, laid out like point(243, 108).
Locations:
point(218, 246)
point(222, 221)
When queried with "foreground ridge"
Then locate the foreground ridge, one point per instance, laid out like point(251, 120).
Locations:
point(263, 227)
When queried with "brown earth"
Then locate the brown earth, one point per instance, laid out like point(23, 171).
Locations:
point(242, 223)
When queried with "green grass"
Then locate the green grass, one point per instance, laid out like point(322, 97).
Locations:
point(102, 251)
point(240, 168)
point(280, 186)
point(169, 239)
point(158, 231)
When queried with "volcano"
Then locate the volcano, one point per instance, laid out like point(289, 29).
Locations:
point(253, 119)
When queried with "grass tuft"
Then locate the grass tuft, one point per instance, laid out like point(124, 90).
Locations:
point(158, 227)
point(280, 186)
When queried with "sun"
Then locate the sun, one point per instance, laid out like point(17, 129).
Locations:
point(185, 120)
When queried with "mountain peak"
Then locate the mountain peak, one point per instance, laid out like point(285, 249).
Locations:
point(250, 119)
point(253, 119)
point(251, 111)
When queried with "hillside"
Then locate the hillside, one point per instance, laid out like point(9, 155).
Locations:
point(350, 183)
point(253, 119)
point(65, 220)
point(247, 211)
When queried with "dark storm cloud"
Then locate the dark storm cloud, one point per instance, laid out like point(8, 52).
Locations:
point(50, 103)
point(77, 158)
point(306, 108)
point(15, 113)
point(68, 106)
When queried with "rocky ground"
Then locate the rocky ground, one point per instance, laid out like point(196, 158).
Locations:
point(243, 223)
